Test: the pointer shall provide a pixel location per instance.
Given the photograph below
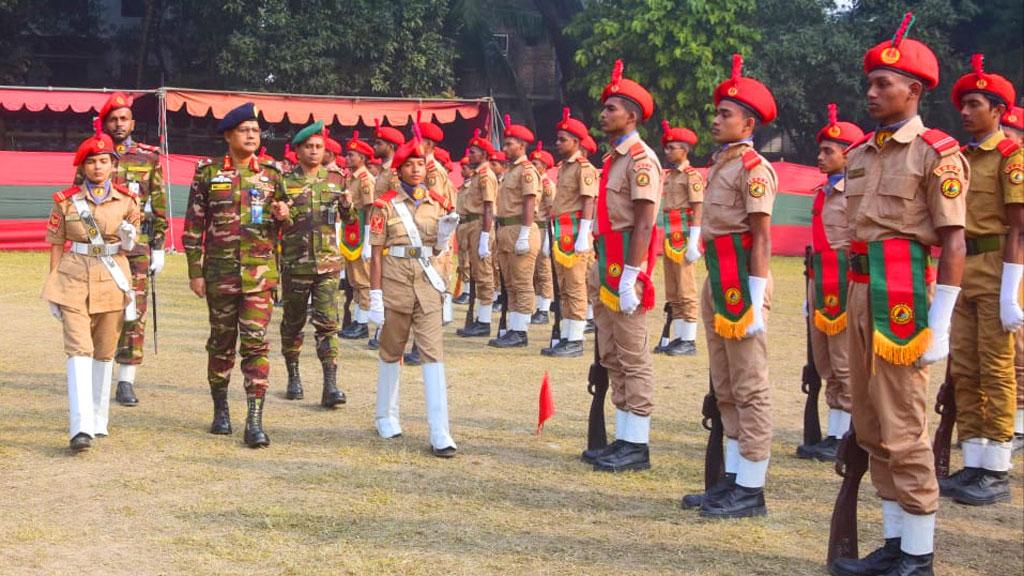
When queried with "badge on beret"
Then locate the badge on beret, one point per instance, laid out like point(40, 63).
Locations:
point(643, 179)
point(732, 91)
point(901, 314)
point(951, 187)
point(981, 83)
point(757, 187)
point(834, 131)
point(255, 111)
point(120, 101)
point(377, 223)
point(588, 180)
point(100, 144)
point(891, 55)
point(733, 296)
point(1011, 118)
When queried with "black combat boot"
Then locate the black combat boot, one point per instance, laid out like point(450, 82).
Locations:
point(294, 391)
point(540, 317)
point(911, 565)
point(986, 487)
point(693, 501)
point(476, 329)
point(737, 502)
point(332, 396)
point(591, 455)
point(825, 451)
point(681, 348)
point(355, 331)
point(950, 485)
point(461, 299)
point(255, 437)
point(221, 416)
point(125, 395)
point(590, 327)
point(629, 456)
point(565, 349)
point(80, 442)
point(877, 563)
point(511, 339)
point(412, 357)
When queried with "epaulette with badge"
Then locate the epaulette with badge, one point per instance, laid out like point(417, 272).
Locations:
point(482, 169)
point(637, 151)
point(366, 177)
point(690, 170)
point(148, 148)
point(867, 138)
point(751, 159)
point(271, 164)
point(64, 194)
point(125, 190)
point(1007, 147)
point(383, 200)
point(582, 160)
point(941, 142)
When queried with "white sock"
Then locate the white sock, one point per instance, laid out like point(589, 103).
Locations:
point(918, 534)
point(997, 456)
point(732, 456)
point(576, 328)
point(1018, 422)
point(688, 332)
point(621, 425)
point(751, 474)
point(677, 329)
point(543, 304)
point(892, 519)
point(483, 312)
point(590, 311)
point(126, 373)
point(974, 452)
point(638, 429)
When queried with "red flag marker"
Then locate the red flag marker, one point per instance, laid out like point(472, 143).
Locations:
point(547, 404)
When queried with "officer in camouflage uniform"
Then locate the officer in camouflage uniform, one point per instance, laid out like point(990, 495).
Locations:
point(229, 239)
point(311, 262)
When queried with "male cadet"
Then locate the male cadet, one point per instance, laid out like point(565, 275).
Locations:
point(461, 240)
point(905, 189)
point(988, 312)
point(476, 228)
point(229, 240)
point(827, 288)
point(311, 263)
point(385, 141)
point(681, 200)
point(1013, 126)
point(499, 165)
point(573, 221)
point(138, 170)
point(590, 147)
point(437, 181)
point(355, 232)
point(544, 289)
point(736, 296)
point(518, 236)
point(626, 211)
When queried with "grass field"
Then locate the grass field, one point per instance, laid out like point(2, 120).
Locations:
point(162, 496)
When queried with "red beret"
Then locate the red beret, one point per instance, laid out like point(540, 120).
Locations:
point(747, 92)
point(428, 130)
point(589, 145)
point(443, 156)
point(906, 56)
point(630, 90)
point(842, 132)
point(116, 100)
point(357, 145)
point(332, 146)
point(517, 131)
point(289, 154)
point(572, 125)
point(670, 134)
point(543, 155)
point(497, 156)
point(1014, 118)
point(411, 149)
point(481, 143)
point(388, 134)
point(98, 143)
point(984, 83)
point(376, 161)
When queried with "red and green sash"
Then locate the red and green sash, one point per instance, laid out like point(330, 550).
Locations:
point(351, 241)
point(898, 286)
point(677, 227)
point(727, 258)
point(830, 284)
point(567, 226)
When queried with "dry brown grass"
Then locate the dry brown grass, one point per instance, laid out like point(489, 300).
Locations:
point(161, 496)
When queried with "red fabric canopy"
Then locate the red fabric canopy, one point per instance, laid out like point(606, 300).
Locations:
point(58, 99)
point(55, 169)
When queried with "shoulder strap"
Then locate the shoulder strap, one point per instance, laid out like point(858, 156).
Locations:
point(126, 191)
point(64, 194)
point(867, 137)
point(383, 199)
point(637, 151)
point(1007, 147)
point(751, 159)
point(440, 199)
point(148, 147)
point(943, 143)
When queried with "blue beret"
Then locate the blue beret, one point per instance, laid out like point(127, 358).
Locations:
point(247, 111)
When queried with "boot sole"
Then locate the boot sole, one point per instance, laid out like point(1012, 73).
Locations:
point(746, 513)
point(980, 502)
point(685, 506)
point(221, 432)
point(294, 396)
point(127, 404)
point(464, 335)
point(630, 468)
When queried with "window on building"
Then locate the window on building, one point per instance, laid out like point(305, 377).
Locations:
point(502, 41)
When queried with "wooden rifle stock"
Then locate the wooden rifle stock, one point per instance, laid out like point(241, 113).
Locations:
point(597, 385)
point(851, 464)
point(945, 407)
point(810, 380)
point(714, 456)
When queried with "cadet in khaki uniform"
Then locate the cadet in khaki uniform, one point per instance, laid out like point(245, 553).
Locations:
point(87, 288)
point(499, 165)
point(518, 236)
point(413, 225)
point(1013, 126)
point(478, 202)
point(988, 312)
point(311, 262)
point(461, 238)
point(620, 284)
point(229, 240)
point(355, 232)
point(544, 289)
point(386, 140)
point(830, 240)
point(736, 297)
point(681, 200)
point(439, 182)
point(896, 214)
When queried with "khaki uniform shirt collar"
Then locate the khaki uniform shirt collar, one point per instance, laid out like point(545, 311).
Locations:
point(571, 159)
point(731, 150)
point(623, 148)
point(992, 141)
point(682, 166)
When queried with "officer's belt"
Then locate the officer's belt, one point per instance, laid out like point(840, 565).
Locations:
point(86, 249)
point(983, 244)
point(413, 252)
point(470, 218)
point(510, 221)
point(542, 224)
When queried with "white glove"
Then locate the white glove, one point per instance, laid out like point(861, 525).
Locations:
point(127, 233)
point(523, 242)
point(156, 262)
point(806, 309)
point(484, 249)
point(366, 252)
point(376, 314)
point(446, 226)
point(628, 300)
point(757, 287)
point(1010, 312)
point(56, 312)
point(693, 245)
point(545, 246)
point(940, 314)
point(583, 240)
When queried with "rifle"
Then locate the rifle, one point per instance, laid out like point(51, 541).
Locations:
point(666, 329)
point(597, 385)
point(556, 304)
point(714, 457)
point(851, 464)
point(152, 293)
point(147, 229)
point(810, 380)
point(350, 294)
point(945, 407)
point(471, 309)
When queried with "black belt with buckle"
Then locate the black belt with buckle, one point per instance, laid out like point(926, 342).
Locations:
point(983, 244)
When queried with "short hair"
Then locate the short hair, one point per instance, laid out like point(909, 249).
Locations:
point(633, 108)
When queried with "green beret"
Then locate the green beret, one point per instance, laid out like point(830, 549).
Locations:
point(304, 134)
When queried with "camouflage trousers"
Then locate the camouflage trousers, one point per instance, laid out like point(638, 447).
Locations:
point(129, 346)
point(296, 292)
point(231, 314)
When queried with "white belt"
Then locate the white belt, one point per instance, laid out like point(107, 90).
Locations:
point(410, 252)
point(87, 249)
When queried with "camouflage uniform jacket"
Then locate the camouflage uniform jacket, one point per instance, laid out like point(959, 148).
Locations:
point(309, 244)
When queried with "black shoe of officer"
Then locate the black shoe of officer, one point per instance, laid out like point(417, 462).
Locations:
point(565, 349)
point(693, 501)
point(354, 331)
point(294, 391)
point(987, 487)
point(592, 454)
point(221, 417)
point(373, 344)
point(125, 395)
point(475, 330)
point(736, 502)
point(255, 437)
point(910, 565)
point(80, 442)
point(331, 396)
point(660, 348)
point(825, 451)
point(877, 563)
point(540, 317)
point(806, 451)
point(629, 456)
point(461, 299)
point(590, 327)
point(412, 357)
point(950, 485)
point(511, 339)
point(681, 348)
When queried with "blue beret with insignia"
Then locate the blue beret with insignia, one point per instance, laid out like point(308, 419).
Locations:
point(304, 134)
point(247, 111)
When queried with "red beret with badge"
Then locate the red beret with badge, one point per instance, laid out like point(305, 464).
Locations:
point(630, 90)
point(482, 143)
point(680, 134)
point(572, 125)
point(517, 131)
point(497, 156)
point(98, 143)
point(411, 149)
point(388, 134)
point(1013, 118)
point(356, 145)
point(747, 92)
point(905, 56)
point(543, 155)
point(444, 157)
point(982, 82)
point(117, 100)
point(428, 130)
point(845, 133)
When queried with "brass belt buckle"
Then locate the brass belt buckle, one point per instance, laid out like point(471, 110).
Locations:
point(95, 250)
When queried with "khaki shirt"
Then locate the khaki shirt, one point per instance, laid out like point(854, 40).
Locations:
point(460, 198)
point(82, 282)
point(385, 180)
point(483, 187)
point(681, 187)
point(547, 198)
point(634, 173)
point(740, 182)
point(577, 178)
point(361, 188)
point(996, 180)
point(520, 181)
point(905, 188)
point(834, 218)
